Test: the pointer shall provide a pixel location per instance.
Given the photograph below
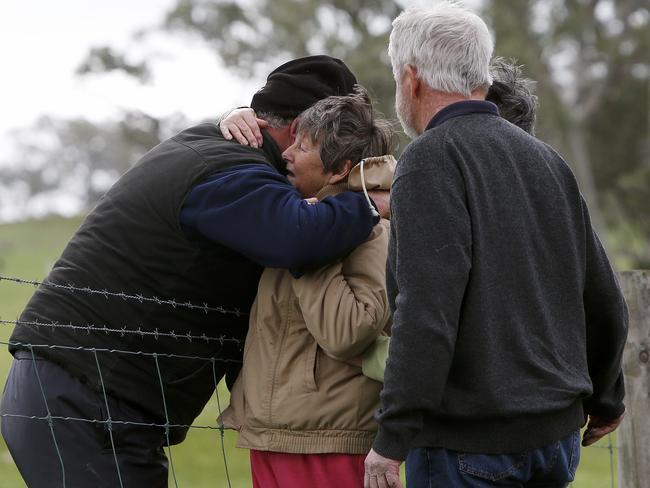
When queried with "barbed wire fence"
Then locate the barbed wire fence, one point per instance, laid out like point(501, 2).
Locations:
point(123, 331)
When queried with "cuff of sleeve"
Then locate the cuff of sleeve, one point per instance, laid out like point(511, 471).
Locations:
point(389, 446)
point(605, 412)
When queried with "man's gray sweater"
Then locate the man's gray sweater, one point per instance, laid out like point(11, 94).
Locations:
point(508, 324)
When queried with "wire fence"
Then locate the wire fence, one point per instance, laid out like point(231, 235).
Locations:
point(108, 423)
point(98, 330)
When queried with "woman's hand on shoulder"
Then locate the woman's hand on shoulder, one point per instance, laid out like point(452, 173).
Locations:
point(244, 126)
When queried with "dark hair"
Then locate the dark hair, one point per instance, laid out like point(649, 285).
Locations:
point(512, 93)
point(346, 127)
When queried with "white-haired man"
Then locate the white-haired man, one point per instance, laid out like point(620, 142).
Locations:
point(509, 324)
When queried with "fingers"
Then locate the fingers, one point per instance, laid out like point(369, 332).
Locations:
point(594, 434)
point(249, 129)
point(591, 436)
point(225, 131)
point(381, 472)
point(386, 480)
point(229, 128)
point(393, 481)
point(234, 132)
point(369, 481)
point(242, 125)
point(598, 427)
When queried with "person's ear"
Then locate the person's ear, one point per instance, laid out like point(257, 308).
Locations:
point(293, 128)
point(341, 174)
point(411, 81)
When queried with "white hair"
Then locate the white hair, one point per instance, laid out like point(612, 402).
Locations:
point(448, 45)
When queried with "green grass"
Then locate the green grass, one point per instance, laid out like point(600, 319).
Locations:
point(28, 250)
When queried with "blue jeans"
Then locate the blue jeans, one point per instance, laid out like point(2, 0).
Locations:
point(552, 466)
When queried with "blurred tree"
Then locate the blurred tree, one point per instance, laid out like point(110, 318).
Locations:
point(80, 158)
point(105, 59)
point(590, 58)
point(252, 36)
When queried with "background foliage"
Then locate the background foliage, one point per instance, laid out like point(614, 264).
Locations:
point(589, 58)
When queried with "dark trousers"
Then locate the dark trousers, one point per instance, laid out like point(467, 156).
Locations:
point(553, 466)
point(87, 458)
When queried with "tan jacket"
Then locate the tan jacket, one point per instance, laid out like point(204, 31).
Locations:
point(301, 389)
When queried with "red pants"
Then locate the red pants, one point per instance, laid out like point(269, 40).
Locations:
point(283, 470)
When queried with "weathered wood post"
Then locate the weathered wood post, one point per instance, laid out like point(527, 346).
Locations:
point(634, 432)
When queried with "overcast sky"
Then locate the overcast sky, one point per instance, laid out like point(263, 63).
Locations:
point(43, 41)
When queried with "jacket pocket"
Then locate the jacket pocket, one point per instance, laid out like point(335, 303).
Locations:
point(311, 365)
point(492, 467)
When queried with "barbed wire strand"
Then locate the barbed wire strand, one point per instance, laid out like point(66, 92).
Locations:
point(123, 331)
point(164, 401)
point(221, 428)
point(105, 422)
point(49, 417)
point(119, 351)
point(109, 423)
point(126, 296)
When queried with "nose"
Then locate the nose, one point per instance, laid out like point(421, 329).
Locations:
point(287, 155)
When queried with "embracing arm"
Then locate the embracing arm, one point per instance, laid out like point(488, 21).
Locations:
point(344, 305)
point(255, 211)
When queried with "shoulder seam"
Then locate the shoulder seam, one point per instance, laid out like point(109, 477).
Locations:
point(194, 150)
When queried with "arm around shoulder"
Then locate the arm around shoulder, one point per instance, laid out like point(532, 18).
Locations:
point(255, 211)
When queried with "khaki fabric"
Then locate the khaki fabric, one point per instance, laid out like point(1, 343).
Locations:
point(301, 388)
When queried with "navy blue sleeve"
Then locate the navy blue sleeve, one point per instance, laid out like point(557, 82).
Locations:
point(255, 211)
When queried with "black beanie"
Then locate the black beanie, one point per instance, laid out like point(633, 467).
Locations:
point(295, 86)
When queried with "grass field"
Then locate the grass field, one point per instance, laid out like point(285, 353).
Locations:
point(28, 250)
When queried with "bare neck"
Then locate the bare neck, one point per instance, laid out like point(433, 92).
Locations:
point(433, 101)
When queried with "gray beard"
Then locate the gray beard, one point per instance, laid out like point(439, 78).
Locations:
point(405, 117)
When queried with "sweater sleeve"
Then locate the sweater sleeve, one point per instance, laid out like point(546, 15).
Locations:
point(258, 213)
point(344, 305)
point(429, 261)
point(606, 319)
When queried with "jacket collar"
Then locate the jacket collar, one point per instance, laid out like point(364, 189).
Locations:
point(464, 107)
point(378, 175)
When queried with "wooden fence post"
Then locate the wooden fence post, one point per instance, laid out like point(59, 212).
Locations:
point(634, 432)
